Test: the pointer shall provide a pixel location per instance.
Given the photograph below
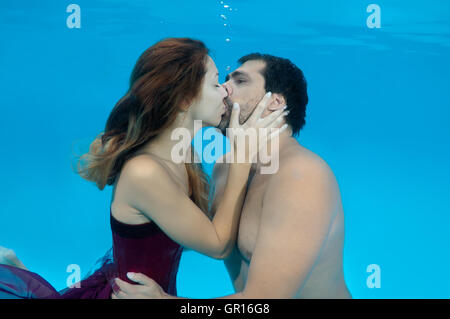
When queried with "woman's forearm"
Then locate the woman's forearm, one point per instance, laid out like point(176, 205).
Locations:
point(227, 215)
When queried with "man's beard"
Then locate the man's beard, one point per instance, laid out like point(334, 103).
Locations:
point(225, 121)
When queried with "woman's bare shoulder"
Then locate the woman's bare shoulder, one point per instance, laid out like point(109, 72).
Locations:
point(143, 167)
point(145, 182)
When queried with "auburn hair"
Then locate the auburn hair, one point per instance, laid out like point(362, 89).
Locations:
point(166, 77)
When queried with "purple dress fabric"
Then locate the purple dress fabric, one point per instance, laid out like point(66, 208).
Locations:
point(143, 248)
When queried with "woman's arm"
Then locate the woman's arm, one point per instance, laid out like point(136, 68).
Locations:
point(151, 190)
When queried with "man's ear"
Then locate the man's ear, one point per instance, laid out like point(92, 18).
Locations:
point(276, 102)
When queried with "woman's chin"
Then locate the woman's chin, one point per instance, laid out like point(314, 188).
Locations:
point(210, 123)
point(220, 120)
point(213, 122)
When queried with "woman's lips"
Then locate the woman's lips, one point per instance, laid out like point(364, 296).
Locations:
point(228, 104)
point(225, 107)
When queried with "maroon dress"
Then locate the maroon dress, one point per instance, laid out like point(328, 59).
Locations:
point(142, 248)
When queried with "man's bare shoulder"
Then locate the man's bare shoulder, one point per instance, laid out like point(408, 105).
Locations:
point(304, 182)
point(298, 162)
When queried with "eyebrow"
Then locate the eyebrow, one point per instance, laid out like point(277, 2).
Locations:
point(236, 74)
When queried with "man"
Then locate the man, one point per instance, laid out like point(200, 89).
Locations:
point(291, 232)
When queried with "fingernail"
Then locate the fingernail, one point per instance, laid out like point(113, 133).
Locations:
point(130, 275)
point(284, 107)
point(235, 106)
point(286, 113)
point(269, 94)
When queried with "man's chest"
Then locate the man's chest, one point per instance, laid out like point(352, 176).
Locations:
point(251, 215)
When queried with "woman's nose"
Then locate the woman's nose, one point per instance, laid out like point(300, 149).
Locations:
point(228, 89)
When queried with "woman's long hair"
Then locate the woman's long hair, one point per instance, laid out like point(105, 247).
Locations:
point(166, 77)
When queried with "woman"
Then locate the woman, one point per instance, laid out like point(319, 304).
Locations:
point(158, 206)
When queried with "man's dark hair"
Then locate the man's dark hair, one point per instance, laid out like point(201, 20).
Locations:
point(283, 77)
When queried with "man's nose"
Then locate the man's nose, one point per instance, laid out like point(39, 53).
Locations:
point(228, 89)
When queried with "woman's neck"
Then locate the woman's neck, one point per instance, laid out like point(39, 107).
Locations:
point(167, 149)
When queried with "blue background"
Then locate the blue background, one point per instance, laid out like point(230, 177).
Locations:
point(378, 114)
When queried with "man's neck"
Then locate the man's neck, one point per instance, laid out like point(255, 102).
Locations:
point(284, 138)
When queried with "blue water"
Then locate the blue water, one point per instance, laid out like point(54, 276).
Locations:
point(378, 114)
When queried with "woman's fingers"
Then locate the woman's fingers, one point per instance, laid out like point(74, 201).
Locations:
point(273, 117)
point(234, 117)
point(124, 286)
point(260, 107)
point(272, 132)
point(141, 279)
point(274, 124)
point(115, 296)
point(276, 132)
